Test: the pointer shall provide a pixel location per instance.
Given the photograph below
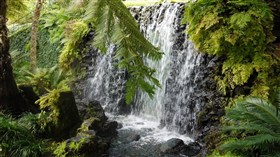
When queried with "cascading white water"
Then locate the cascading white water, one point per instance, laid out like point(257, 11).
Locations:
point(106, 83)
point(160, 32)
point(173, 106)
point(172, 112)
point(175, 71)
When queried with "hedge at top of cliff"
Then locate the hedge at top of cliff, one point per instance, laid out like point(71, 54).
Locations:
point(47, 54)
point(241, 31)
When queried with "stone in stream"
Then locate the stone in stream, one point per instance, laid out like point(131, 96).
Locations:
point(176, 146)
point(171, 145)
point(91, 109)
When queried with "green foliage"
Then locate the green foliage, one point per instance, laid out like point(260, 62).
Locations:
point(218, 154)
point(44, 79)
point(275, 100)
point(239, 30)
point(20, 66)
point(19, 38)
point(74, 32)
point(73, 148)
point(33, 123)
point(16, 140)
point(49, 110)
point(113, 23)
point(255, 127)
point(70, 149)
point(66, 28)
point(15, 8)
point(60, 150)
point(47, 54)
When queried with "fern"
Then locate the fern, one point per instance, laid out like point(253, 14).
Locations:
point(239, 30)
point(113, 23)
point(74, 32)
point(257, 120)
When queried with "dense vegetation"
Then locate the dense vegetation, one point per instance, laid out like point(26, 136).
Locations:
point(241, 33)
point(238, 31)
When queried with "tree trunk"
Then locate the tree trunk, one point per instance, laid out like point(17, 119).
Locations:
point(34, 34)
point(10, 99)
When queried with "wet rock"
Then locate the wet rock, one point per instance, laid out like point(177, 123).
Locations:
point(177, 147)
point(109, 129)
point(171, 145)
point(90, 145)
point(120, 125)
point(123, 108)
point(192, 149)
point(92, 109)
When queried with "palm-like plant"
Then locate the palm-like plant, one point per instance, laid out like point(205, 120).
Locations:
point(256, 127)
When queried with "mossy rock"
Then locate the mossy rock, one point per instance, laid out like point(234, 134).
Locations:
point(68, 119)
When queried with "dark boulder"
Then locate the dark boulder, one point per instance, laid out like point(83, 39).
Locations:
point(171, 145)
point(92, 109)
point(30, 97)
point(123, 108)
point(105, 129)
point(109, 129)
point(176, 146)
point(131, 136)
point(68, 119)
point(88, 145)
point(191, 149)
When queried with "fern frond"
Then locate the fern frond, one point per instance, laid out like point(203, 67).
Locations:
point(114, 24)
point(256, 119)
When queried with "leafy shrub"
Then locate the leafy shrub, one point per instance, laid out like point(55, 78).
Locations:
point(33, 123)
point(16, 140)
point(242, 32)
point(254, 128)
point(70, 149)
point(45, 79)
point(49, 111)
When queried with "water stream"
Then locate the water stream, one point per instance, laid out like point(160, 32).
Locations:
point(172, 112)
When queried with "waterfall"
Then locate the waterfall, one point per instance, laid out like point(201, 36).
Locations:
point(106, 83)
point(175, 104)
point(172, 103)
